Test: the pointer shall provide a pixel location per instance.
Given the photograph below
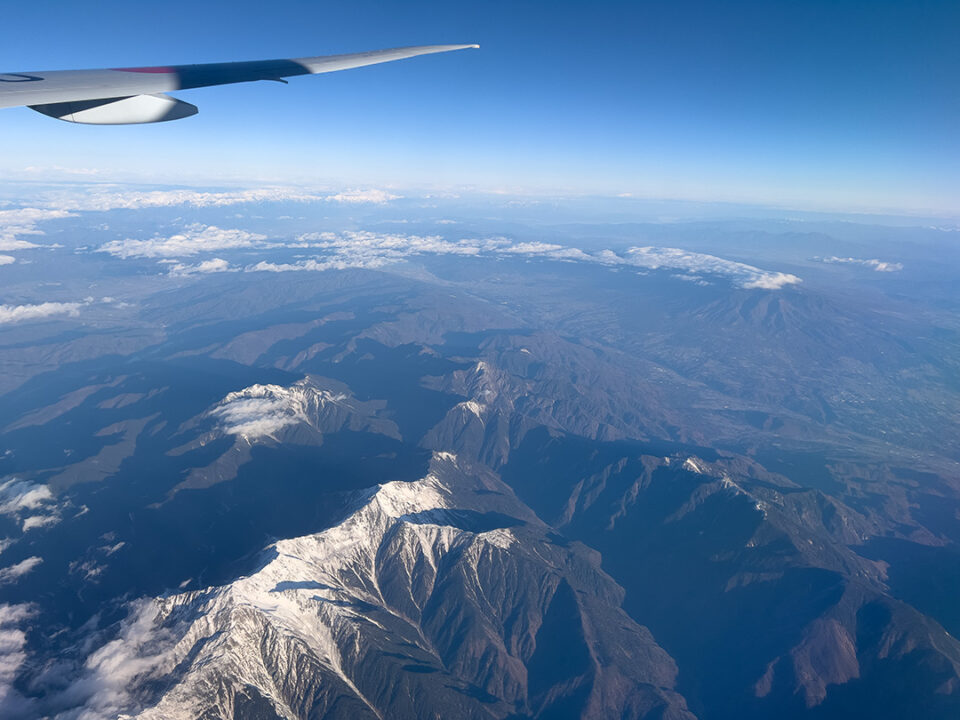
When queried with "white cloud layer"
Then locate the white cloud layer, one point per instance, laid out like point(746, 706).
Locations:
point(193, 240)
point(17, 222)
point(369, 250)
point(876, 265)
point(350, 249)
point(7, 260)
point(361, 197)
point(102, 198)
point(746, 276)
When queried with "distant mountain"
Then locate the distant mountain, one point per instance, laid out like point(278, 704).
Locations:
point(514, 489)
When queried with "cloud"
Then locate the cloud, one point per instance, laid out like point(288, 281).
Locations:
point(23, 221)
point(40, 311)
point(216, 265)
point(6, 259)
point(263, 410)
point(192, 241)
point(317, 265)
point(39, 521)
point(877, 265)
point(695, 279)
point(364, 249)
point(770, 281)
point(60, 170)
point(359, 197)
point(369, 250)
point(105, 197)
point(143, 650)
point(32, 504)
point(14, 572)
point(17, 495)
point(742, 275)
point(22, 313)
point(532, 248)
point(99, 199)
point(13, 640)
point(258, 411)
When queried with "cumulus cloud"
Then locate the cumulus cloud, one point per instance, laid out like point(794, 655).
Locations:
point(17, 495)
point(22, 313)
point(14, 572)
point(32, 504)
point(876, 265)
point(39, 521)
point(40, 311)
point(194, 240)
point(769, 281)
point(216, 265)
point(6, 259)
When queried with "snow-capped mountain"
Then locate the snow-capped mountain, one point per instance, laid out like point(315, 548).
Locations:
point(422, 603)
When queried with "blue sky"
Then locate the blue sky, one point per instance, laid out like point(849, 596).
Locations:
point(810, 104)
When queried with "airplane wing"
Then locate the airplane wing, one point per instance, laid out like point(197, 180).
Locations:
point(126, 96)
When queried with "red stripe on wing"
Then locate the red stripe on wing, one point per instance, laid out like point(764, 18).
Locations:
point(152, 70)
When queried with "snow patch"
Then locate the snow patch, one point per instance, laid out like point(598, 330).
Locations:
point(691, 465)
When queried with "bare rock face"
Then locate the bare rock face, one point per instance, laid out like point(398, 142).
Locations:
point(704, 545)
point(443, 597)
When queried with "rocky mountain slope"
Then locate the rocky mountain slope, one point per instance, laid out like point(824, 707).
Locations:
point(416, 605)
point(377, 497)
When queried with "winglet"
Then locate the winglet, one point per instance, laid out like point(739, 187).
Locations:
point(331, 63)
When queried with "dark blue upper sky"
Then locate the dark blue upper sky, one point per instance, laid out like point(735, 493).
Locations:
point(842, 104)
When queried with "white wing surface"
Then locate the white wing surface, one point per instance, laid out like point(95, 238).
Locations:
point(122, 96)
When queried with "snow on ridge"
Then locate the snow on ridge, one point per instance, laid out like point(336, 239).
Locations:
point(691, 464)
point(474, 407)
point(310, 592)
